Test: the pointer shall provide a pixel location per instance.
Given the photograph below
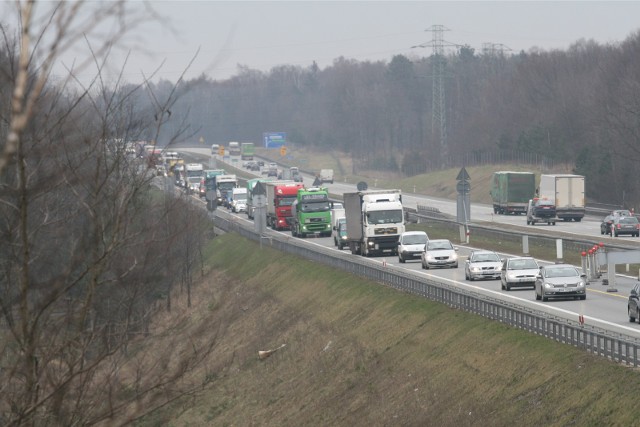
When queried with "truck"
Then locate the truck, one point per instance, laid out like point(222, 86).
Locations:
point(247, 151)
point(310, 213)
point(224, 185)
point(326, 175)
point(280, 197)
point(294, 173)
point(567, 192)
point(511, 191)
point(193, 174)
point(208, 183)
point(238, 200)
point(234, 148)
point(375, 221)
point(251, 183)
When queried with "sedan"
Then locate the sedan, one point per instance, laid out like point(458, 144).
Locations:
point(518, 272)
point(560, 281)
point(439, 253)
point(625, 225)
point(482, 265)
point(633, 305)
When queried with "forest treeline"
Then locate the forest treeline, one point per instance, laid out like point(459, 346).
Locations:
point(579, 106)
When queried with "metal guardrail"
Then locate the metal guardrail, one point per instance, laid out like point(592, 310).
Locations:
point(614, 346)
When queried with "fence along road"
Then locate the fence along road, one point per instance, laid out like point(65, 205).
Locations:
point(606, 339)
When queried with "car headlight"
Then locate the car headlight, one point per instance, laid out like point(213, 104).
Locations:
point(344, 237)
point(475, 269)
point(548, 285)
point(454, 256)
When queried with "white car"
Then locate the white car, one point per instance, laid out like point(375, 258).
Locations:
point(519, 272)
point(440, 253)
point(482, 264)
point(411, 245)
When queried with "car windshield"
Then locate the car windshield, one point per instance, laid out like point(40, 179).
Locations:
point(561, 272)
point(414, 239)
point(441, 245)
point(485, 258)
point(522, 264)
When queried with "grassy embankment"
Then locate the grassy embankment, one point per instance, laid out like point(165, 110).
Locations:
point(358, 353)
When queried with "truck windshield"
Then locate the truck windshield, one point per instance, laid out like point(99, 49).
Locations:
point(321, 206)
point(194, 173)
point(240, 196)
point(385, 217)
point(285, 201)
point(226, 186)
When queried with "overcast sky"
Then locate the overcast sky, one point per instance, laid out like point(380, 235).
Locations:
point(264, 34)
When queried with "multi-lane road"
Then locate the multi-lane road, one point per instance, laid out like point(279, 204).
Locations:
point(604, 308)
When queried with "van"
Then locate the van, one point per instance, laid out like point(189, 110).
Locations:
point(411, 244)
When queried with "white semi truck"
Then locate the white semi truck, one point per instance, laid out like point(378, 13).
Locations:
point(375, 221)
point(194, 172)
point(567, 192)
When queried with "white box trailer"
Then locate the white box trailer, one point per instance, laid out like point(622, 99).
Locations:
point(567, 191)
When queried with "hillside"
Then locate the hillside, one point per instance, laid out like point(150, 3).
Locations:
point(360, 354)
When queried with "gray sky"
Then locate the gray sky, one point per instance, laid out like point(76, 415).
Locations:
point(264, 34)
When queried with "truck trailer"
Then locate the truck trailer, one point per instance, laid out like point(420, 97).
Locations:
point(310, 213)
point(375, 221)
point(567, 192)
point(511, 191)
point(280, 197)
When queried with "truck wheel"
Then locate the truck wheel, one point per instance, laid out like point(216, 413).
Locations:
point(632, 315)
point(578, 219)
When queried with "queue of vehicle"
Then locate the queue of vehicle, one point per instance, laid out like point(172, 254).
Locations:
point(548, 282)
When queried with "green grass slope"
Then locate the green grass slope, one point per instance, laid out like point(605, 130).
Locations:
point(360, 354)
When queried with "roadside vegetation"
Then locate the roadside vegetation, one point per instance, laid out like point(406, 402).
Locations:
point(359, 353)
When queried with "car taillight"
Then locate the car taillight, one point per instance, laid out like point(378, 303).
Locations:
point(618, 226)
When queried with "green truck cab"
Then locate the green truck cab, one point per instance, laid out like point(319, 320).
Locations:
point(311, 213)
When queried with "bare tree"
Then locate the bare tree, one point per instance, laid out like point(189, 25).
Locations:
point(85, 239)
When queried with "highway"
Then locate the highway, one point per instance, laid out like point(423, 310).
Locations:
point(608, 309)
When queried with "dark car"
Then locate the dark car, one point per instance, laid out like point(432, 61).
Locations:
point(621, 225)
point(605, 225)
point(633, 305)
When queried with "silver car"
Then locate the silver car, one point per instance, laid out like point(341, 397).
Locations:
point(560, 281)
point(519, 272)
point(482, 265)
point(439, 253)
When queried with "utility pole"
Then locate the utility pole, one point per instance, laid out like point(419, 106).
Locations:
point(439, 105)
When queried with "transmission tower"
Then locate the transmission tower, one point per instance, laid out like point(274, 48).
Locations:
point(438, 108)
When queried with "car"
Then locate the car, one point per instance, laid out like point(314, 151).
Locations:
point(260, 163)
point(633, 304)
point(560, 281)
point(250, 164)
point(411, 245)
point(439, 253)
point(482, 264)
point(519, 272)
point(342, 234)
point(605, 225)
point(621, 225)
point(541, 210)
